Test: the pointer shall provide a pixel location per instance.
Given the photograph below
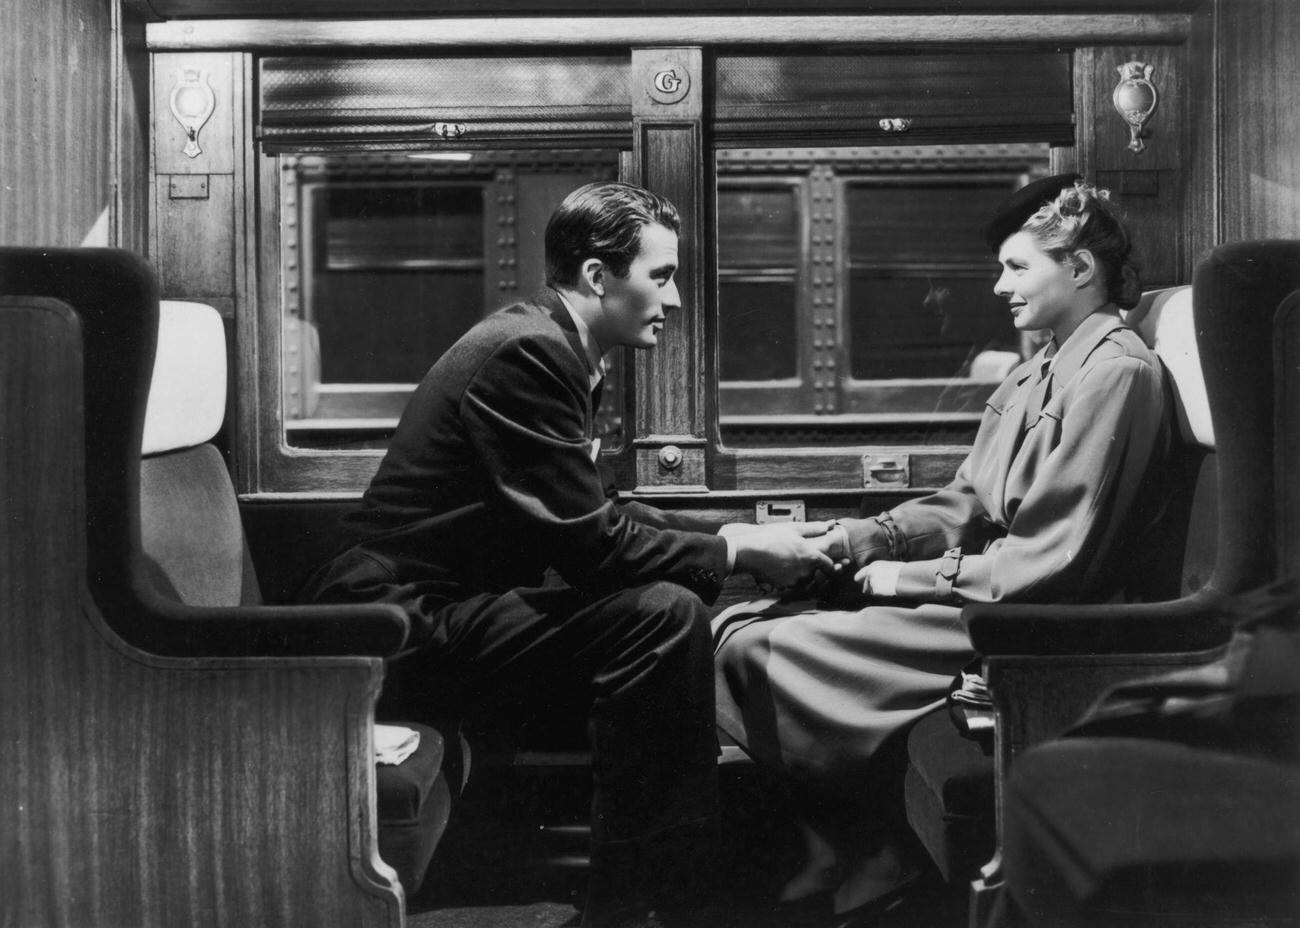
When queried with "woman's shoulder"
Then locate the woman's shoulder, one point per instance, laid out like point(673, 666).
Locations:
point(1122, 346)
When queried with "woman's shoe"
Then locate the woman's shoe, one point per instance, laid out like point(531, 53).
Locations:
point(875, 881)
point(820, 872)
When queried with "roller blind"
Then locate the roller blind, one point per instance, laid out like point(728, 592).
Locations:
point(308, 102)
point(998, 96)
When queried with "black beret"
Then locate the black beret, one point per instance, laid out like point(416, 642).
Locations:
point(1015, 209)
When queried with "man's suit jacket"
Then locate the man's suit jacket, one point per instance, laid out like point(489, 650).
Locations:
point(489, 479)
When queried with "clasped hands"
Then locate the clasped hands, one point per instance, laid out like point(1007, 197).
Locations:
point(805, 555)
point(788, 554)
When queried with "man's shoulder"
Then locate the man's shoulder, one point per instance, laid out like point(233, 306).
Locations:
point(522, 321)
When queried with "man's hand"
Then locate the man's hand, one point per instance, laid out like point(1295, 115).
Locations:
point(780, 553)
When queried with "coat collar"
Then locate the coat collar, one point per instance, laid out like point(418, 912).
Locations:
point(1091, 332)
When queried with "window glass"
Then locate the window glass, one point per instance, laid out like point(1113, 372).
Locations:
point(758, 275)
point(855, 298)
point(387, 259)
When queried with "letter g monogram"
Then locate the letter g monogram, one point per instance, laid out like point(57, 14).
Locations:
point(669, 84)
point(667, 81)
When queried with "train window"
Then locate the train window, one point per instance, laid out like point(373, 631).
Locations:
point(387, 259)
point(400, 199)
point(855, 292)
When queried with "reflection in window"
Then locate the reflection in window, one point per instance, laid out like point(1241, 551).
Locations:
point(920, 300)
point(855, 297)
point(758, 274)
point(388, 259)
point(396, 275)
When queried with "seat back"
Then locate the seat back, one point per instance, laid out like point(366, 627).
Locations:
point(168, 763)
point(191, 533)
point(1239, 289)
point(1287, 374)
point(1177, 556)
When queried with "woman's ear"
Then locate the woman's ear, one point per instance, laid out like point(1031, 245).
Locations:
point(1084, 265)
point(593, 275)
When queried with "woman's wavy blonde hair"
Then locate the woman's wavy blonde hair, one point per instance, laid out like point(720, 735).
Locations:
point(1083, 217)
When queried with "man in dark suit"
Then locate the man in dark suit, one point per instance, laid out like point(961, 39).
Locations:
point(526, 586)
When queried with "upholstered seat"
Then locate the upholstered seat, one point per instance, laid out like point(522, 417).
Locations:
point(1180, 807)
point(1109, 832)
point(175, 762)
point(949, 785)
point(195, 552)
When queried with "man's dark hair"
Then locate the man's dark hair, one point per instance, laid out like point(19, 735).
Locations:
point(602, 220)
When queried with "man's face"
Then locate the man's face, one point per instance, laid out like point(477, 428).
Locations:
point(633, 308)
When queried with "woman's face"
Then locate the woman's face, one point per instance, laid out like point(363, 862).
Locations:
point(1043, 293)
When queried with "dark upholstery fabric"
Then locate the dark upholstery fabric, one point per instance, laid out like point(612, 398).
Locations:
point(414, 802)
point(1244, 283)
point(1131, 832)
point(949, 795)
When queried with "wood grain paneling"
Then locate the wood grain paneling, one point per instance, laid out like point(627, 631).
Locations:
point(671, 158)
point(195, 250)
point(55, 120)
point(1150, 186)
point(131, 121)
point(1259, 126)
point(645, 31)
point(188, 8)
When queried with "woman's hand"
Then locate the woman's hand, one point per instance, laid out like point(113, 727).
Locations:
point(879, 578)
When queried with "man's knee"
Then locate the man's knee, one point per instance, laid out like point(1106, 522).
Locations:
point(670, 609)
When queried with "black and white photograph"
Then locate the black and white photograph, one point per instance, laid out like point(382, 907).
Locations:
point(649, 464)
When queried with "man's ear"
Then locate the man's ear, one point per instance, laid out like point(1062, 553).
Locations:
point(1084, 263)
point(593, 274)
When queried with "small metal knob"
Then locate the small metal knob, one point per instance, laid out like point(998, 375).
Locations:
point(670, 457)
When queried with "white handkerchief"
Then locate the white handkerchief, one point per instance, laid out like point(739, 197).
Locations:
point(394, 743)
point(595, 448)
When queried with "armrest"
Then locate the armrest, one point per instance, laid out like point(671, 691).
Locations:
point(1045, 665)
point(171, 629)
point(1193, 623)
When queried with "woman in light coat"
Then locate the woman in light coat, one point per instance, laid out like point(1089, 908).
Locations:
point(1042, 510)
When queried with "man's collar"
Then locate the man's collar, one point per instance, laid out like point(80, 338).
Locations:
point(595, 362)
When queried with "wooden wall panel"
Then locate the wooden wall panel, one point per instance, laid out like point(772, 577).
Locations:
point(130, 167)
point(198, 200)
point(55, 113)
point(672, 159)
point(183, 8)
point(1150, 185)
point(1259, 119)
point(195, 255)
point(1202, 201)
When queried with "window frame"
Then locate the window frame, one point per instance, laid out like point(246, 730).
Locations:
point(266, 467)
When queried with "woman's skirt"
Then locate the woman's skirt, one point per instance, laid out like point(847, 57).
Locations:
point(814, 693)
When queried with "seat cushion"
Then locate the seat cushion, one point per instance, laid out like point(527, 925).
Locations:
point(191, 536)
point(949, 795)
point(414, 802)
point(1128, 831)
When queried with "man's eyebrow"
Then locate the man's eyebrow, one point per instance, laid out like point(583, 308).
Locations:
point(664, 270)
